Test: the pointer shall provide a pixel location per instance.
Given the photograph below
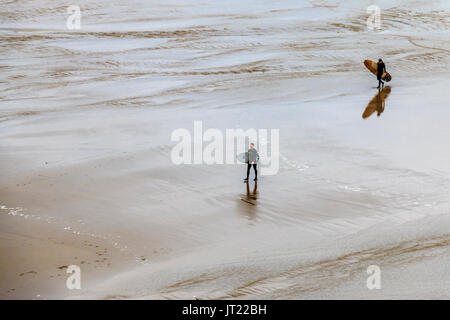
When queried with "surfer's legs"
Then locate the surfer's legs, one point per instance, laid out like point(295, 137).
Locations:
point(380, 82)
point(248, 171)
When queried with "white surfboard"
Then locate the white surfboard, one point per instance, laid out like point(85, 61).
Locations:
point(242, 157)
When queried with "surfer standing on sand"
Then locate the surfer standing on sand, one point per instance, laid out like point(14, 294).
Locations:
point(252, 159)
point(380, 70)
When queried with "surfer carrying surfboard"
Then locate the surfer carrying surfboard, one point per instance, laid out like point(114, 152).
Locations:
point(381, 69)
point(253, 158)
point(378, 69)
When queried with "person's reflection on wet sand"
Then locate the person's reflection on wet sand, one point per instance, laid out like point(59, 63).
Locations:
point(249, 205)
point(377, 103)
point(251, 197)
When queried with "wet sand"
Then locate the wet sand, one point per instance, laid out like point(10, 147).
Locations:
point(85, 124)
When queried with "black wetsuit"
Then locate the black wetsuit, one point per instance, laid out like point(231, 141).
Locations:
point(249, 165)
point(253, 156)
point(380, 70)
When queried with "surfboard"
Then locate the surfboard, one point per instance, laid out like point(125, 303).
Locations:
point(373, 67)
point(242, 157)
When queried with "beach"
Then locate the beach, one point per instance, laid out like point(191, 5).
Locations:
point(86, 170)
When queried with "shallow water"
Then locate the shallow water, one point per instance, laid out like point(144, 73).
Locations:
point(86, 117)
